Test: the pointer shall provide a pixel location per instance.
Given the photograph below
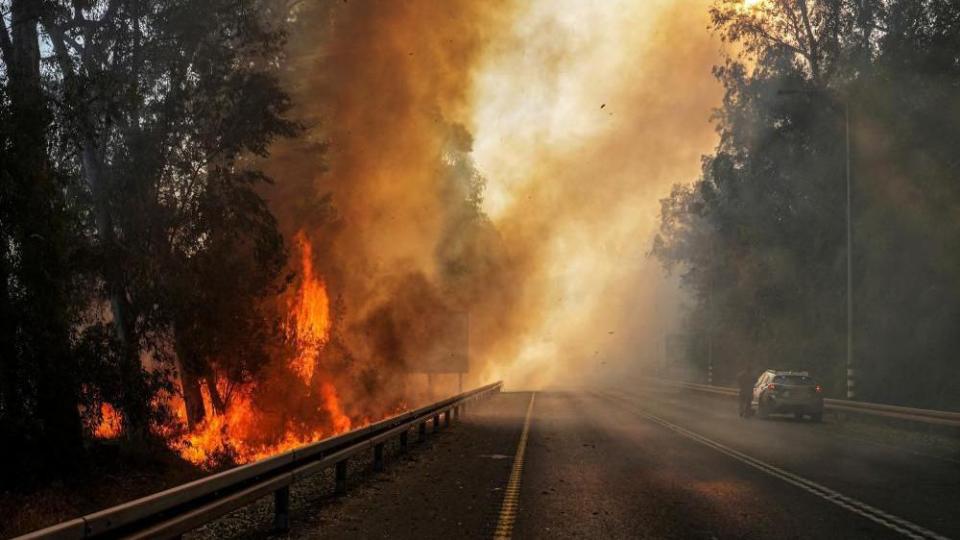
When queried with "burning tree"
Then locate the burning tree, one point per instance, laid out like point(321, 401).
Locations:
point(140, 134)
point(160, 298)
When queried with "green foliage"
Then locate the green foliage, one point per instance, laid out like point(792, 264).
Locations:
point(760, 237)
point(130, 223)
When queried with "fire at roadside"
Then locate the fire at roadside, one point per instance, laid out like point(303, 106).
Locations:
point(293, 403)
point(388, 241)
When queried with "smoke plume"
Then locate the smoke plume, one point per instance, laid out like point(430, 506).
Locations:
point(499, 158)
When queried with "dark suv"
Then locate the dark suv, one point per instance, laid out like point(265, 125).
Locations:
point(788, 392)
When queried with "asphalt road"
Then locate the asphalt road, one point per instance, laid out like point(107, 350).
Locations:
point(647, 464)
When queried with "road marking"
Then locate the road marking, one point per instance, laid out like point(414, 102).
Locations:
point(898, 524)
point(511, 496)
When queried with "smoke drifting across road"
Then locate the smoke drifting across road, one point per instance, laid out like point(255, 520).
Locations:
point(497, 157)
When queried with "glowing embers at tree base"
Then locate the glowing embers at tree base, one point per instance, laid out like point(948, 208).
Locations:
point(111, 423)
point(244, 433)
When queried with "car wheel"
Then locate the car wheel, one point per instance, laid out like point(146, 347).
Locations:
point(818, 417)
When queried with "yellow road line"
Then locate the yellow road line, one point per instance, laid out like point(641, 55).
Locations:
point(511, 496)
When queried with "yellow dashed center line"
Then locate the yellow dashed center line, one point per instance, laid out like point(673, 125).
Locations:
point(511, 496)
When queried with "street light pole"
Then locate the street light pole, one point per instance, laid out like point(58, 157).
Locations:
point(851, 370)
point(710, 335)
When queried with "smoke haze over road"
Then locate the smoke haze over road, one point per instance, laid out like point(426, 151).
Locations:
point(570, 122)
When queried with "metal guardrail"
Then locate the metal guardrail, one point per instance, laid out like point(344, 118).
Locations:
point(182, 508)
point(929, 416)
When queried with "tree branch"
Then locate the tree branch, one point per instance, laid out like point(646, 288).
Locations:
point(59, 48)
point(812, 43)
point(6, 46)
point(79, 21)
point(762, 32)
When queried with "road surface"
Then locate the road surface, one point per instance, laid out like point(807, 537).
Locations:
point(646, 464)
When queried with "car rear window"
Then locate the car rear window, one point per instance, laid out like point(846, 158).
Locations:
point(793, 379)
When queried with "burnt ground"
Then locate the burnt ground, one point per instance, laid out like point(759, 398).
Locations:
point(109, 475)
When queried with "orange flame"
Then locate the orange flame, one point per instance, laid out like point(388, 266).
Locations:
point(311, 313)
point(236, 435)
point(331, 402)
point(111, 423)
point(231, 435)
point(242, 433)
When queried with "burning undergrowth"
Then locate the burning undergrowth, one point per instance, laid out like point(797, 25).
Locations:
point(294, 400)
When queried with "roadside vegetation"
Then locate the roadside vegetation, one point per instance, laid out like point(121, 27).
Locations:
point(759, 240)
point(135, 250)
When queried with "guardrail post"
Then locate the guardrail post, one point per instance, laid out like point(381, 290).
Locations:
point(281, 509)
point(340, 476)
point(165, 514)
point(378, 457)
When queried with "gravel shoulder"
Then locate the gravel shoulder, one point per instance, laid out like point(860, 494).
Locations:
point(451, 486)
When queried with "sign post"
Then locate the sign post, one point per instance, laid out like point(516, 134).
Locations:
point(443, 347)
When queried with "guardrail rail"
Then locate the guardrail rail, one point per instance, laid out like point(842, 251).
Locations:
point(929, 416)
point(170, 513)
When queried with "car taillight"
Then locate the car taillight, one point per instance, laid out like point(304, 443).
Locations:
point(818, 389)
point(771, 386)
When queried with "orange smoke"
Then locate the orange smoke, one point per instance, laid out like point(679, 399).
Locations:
point(382, 182)
point(579, 129)
point(563, 121)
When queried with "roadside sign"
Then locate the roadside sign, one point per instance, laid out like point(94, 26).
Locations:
point(440, 344)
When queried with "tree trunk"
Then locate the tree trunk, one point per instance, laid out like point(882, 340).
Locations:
point(813, 46)
point(134, 402)
point(11, 404)
point(192, 397)
point(189, 381)
point(43, 270)
point(215, 398)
